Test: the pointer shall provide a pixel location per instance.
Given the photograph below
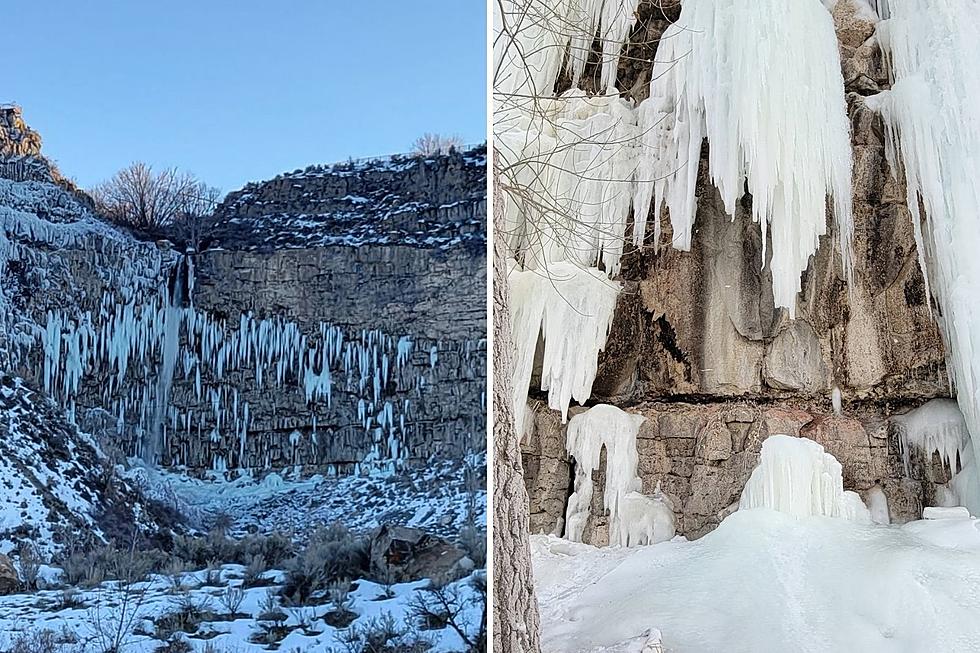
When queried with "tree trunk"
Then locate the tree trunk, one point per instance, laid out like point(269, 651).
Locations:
point(515, 607)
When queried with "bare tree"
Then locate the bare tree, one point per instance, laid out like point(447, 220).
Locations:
point(141, 198)
point(431, 144)
point(542, 50)
point(515, 607)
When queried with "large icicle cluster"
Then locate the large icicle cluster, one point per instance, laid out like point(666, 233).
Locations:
point(634, 518)
point(571, 308)
point(762, 81)
point(796, 476)
point(159, 336)
point(571, 165)
point(932, 118)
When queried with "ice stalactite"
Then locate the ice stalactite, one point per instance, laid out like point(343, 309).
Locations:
point(932, 121)
point(570, 309)
point(935, 426)
point(762, 82)
point(635, 519)
point(796, 476)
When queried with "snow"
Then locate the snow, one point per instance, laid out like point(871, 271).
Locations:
point(932, 120)
point(797, 477)
point(571, 308)
point(791, 570)
point(436, 498)
point(762, 82)
point(765, 581)
point(157, 597)
point(634, 519)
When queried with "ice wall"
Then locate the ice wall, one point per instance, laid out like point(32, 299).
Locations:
point(932, 119)
point(796, 476)
point(634, 518)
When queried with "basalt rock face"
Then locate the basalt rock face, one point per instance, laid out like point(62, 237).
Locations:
point(297, 338)
point(699, 349)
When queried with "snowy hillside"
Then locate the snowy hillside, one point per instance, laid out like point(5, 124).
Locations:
point(59, 489)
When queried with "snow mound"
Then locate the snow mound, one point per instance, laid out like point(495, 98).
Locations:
point(765, 581)
point(797, 477)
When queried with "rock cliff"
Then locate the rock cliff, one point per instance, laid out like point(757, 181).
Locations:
point(698, 348)
point(332, 322)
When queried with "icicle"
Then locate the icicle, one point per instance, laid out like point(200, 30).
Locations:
point(762, 82)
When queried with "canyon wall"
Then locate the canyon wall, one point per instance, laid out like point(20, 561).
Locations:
point(333, 319)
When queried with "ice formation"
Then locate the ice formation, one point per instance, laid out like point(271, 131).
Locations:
point(144, 334)
point(932, 120)
point(634, 518)
point(534, 37)
point(878, 505)
point(762, 82)
point(797, 477)
point(936, 425)
point(571, 309)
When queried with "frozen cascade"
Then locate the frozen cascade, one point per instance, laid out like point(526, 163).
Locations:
point(932, 120)
point(634, 518)
point(762, 82)
point(936, 425)
point(579, 166)
point(154, 438)
point(796, 476)
point(571, 310)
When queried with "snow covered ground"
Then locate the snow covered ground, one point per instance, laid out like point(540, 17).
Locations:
point(148, 604)
point(435, 499)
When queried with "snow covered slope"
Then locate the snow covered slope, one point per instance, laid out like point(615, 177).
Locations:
point(58, 488)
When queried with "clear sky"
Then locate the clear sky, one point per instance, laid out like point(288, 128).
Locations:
point(241, 90)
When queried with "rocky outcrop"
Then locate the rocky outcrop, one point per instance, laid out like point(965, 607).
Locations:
point(16, 138)
point(698, 347)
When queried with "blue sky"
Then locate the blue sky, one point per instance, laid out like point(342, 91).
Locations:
point(240, 90)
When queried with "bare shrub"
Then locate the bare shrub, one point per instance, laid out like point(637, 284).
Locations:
point(232, 599)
